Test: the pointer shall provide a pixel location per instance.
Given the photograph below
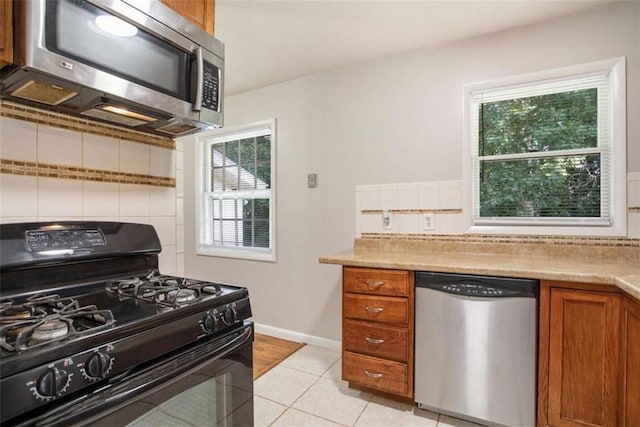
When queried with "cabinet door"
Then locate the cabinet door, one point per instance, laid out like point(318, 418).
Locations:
point(583, 358)
point(630, 356)
point(200, 12)
point(6, 33)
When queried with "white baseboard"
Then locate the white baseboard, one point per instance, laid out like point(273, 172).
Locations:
point(286, 334)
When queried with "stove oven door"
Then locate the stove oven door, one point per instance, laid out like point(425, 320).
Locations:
point(207, 385)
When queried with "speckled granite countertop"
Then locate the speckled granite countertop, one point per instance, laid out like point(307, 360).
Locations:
point(619, 266)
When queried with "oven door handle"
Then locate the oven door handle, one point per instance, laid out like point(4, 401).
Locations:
point(90, 407)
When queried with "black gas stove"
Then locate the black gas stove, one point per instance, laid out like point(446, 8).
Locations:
point(84, 308)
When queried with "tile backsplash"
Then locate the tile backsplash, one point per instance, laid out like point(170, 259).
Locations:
point(52, 173)
point(408, 204)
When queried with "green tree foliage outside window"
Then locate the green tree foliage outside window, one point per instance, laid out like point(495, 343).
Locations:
point(540, 185)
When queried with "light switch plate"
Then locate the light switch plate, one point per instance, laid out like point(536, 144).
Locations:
point(312, 180)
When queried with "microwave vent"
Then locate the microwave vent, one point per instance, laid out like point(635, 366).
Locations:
point(43, 93)
point(176, 128)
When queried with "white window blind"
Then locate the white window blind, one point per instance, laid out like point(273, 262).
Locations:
point(236, 213)
point(541, 152)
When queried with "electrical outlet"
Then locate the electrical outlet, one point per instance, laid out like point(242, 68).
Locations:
point(386, 221)
point(428, 222)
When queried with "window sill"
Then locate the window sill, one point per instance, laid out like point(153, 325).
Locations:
point(249, 255)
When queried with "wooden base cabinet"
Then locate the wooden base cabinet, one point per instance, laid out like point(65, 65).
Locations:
point(377, 329)
point(6, 32)
point(589, 366)
point(630, 357)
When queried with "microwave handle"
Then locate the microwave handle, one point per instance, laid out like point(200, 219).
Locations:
point(197, 103)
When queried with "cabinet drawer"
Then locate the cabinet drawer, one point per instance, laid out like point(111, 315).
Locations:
point(375, 281)
point(378, 309)
point(384, 375)
point(376, 340)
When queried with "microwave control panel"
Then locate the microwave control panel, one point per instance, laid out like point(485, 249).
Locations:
point(210, 86)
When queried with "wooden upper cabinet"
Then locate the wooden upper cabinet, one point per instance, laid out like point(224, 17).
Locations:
point(580, 357)
point(200, 12)
point(6, 33)
point(630, 357)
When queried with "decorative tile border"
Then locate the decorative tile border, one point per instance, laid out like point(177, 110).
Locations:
point(411, 211)
point(488, 238)
point(49, 118)
point(439, 211)
point(15, 167)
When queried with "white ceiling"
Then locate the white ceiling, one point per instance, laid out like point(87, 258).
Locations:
point(269, 41)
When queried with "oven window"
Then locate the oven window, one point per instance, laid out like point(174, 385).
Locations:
point(212, 402)
point(217, 394)
point(81, 31)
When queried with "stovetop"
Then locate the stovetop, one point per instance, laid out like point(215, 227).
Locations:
point(36, 327)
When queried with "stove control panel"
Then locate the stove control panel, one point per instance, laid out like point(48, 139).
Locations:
point(47, 240)
point(57, 379)
point(219, 318)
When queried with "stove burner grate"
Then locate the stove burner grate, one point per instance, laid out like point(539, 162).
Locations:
point(165, 290)
point(45, 318)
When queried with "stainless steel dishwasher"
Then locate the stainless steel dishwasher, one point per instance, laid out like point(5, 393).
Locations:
point(475, 347)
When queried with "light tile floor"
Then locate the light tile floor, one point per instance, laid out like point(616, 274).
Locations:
point(305, 389)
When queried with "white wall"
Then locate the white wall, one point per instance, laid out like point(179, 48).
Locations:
point(393, 120)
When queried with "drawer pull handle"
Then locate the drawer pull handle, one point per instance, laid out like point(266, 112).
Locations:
point(374, 340)
point(375, 284)
point(372, 374)
point(373, 309)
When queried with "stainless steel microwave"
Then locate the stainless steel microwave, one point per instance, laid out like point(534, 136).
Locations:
point(134, 63)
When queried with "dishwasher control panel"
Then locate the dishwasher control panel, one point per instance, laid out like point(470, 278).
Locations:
point(472, 289)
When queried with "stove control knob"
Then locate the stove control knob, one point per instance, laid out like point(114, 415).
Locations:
point(52, 382)
point(210, 322)
point(97, 365)
point(230, 315)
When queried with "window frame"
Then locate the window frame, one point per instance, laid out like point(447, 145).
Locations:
point(618, 161)
point(205, 140)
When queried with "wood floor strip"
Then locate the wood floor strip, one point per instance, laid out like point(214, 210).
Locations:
point(268, 351)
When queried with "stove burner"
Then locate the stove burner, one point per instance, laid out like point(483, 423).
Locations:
point(49, 330)
point(166, 290)
point(45, 318)
point(181, 296)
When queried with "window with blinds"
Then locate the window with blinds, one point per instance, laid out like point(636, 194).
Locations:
point(542, 152)
point(237, 217)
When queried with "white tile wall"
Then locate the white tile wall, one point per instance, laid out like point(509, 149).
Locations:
point(100, 152)
point(18, 140)
point(59, 198)
point(27, 198)
point(162, 160)
point(18, 196)
point(59, 146)
point(409, 196)
point(100, 199)
point(179, 207)
point(439, 195)
point(134, 157)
